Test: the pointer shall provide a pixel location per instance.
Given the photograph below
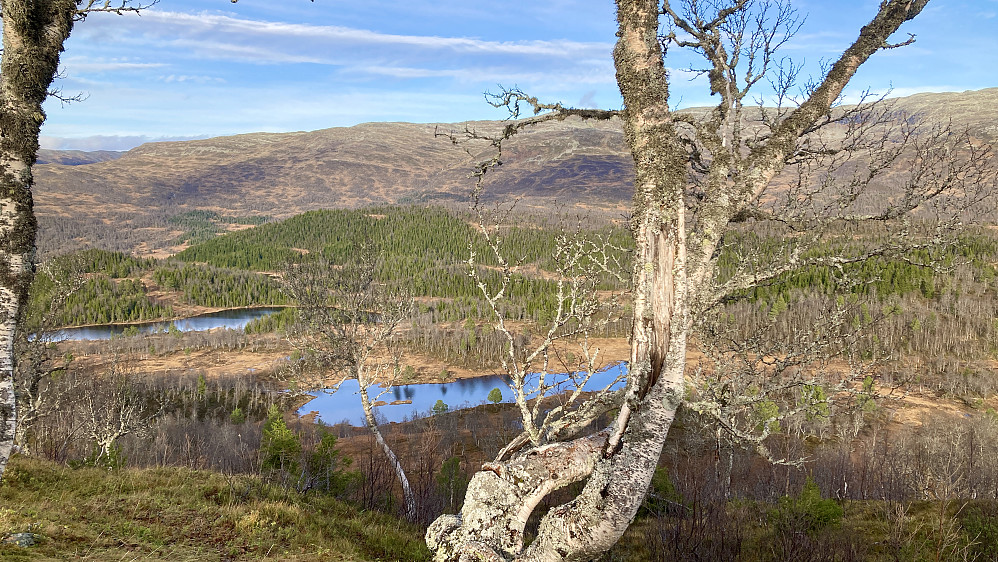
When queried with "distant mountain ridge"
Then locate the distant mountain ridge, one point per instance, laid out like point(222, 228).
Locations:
point(76, 157)
point(122, 201)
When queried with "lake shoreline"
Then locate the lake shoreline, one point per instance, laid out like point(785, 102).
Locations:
point(402, 402)
point(203, 311)
point(231, 318)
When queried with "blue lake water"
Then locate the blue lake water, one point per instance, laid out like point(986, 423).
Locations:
point(235, 319)
point(344, 404)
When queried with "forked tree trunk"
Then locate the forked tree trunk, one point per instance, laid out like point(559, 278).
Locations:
point(623, 469)
point(618, 463)
point(33, 35)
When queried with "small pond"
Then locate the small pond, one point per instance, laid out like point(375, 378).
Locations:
point(344, 404)
point(233, 319)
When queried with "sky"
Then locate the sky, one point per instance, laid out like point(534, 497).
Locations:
point(202, 68)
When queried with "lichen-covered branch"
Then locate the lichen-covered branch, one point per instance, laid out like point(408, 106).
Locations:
point(697, 176)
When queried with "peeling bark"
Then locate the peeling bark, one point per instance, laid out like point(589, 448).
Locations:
point(618, 463)
point(501, 497)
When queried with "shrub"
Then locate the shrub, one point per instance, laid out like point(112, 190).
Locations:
point(453, 483)
point(495, 396)
point(237, 417)
point(807, 509)
point(662, 495)
point(326, 468)
point(980, 527)
point(280, 447)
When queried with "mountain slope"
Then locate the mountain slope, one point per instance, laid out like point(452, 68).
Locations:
point(124, 203)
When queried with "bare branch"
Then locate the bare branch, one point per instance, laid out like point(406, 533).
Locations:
point(120, 7)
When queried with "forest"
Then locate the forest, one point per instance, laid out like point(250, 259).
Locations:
point(926, 330)
point(940, 312)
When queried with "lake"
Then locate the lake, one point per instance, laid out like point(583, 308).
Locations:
point(233, 319)
point(344, 404)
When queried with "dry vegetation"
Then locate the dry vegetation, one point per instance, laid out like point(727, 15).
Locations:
point(913, 477)
point(123, 204)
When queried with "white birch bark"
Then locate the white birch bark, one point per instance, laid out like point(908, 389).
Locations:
point(673, 264)
point(408, 498)
point(34, 32)
point(33, 35)
point(345, 337)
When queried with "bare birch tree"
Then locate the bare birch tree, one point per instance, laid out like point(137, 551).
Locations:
point(114, 404)
point(697, 177)
point(34, 32)
point(347, 326)
point(38, 359)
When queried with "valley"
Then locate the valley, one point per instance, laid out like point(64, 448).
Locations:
point(906, 390)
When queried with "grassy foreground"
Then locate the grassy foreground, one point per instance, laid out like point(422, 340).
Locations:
point(178, 515)
point(184, 515)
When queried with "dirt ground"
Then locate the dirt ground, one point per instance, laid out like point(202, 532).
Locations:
point(270, 354)
point(212, 363)
point(266, 359)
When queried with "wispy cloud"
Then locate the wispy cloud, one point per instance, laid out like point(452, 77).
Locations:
point(106, 142)
point(598, 74)
point(196, 79)
point(277, 66)
point(224, 36)
point(80, 64)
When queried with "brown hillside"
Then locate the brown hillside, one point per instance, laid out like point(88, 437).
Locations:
point(123, 203)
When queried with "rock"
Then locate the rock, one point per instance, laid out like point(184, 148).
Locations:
point(22, 539)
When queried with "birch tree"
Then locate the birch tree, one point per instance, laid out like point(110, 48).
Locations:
point(113, 406)
point(347, 324)
point(697, 176)
point(34, 32)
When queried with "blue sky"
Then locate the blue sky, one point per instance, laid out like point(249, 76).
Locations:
point(187, 68)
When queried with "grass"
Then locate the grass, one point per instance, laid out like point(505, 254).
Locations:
point(178, 515)
point(184, 515)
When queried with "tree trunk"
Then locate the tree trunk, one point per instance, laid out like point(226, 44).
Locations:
point(408, 498)
point(620, 462)
point(620, 465)
point(25, 419)
point(596, 519)
point(33, 35)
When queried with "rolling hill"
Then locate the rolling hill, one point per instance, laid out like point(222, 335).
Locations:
point(124, 202)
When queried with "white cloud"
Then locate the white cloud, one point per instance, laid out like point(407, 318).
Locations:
point(105, 142)
point(223, 36)
point(80, 64)
point(184, 72)
point(598, 74)
point(196, 79)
